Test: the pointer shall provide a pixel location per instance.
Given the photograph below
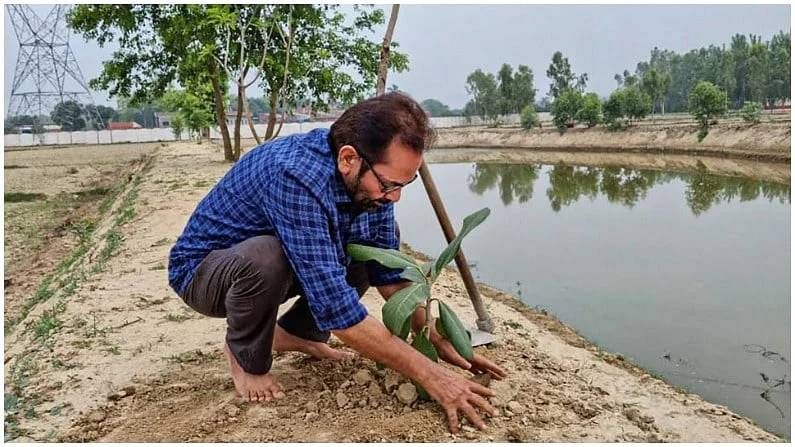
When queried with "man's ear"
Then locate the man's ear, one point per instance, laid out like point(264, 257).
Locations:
point(347, 159)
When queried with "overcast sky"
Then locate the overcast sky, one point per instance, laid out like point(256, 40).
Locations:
point(447, 42)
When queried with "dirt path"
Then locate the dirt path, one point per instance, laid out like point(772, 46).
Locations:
point(128, 361)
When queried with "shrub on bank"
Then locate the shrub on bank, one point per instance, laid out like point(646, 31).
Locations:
point(706, 103)
point(529, 118)
point(752, 112)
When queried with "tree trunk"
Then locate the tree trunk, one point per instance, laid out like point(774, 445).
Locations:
point(250, 121)
point(219, 112)
point(383, 66)
point(272, 115)
point(238, 119)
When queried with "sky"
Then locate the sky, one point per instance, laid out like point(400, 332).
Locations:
point(447, 42)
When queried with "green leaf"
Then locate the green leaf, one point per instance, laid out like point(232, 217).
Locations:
point(393, 259)
point(423, 344)
point(413, 275)
point(470, 222)
point(398, 309)
point(450, 327)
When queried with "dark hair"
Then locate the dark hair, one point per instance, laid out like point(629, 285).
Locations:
point(371, 125)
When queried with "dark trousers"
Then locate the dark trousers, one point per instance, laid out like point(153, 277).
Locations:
point(246, 283)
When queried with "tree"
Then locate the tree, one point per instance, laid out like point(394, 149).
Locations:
point(331, 61)
point(636, 104)
point(565, 108)
point(752, 112)
point(177, 126)
point(529, 118)
point(706, 102)
point(69, 115)
point(193, 112)
point(740, 50)
point(485, 96)
point(106, 114)
point(758, 70)
point(560, 73)
point(625, 105)
point(158, 45)
point(656, 85)
point(780, 48)
point(507, 103)
point(524, 93)
point(613, 109)
point(434, 107)
point(590, 112)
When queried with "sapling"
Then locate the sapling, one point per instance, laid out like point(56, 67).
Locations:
point(398, 310)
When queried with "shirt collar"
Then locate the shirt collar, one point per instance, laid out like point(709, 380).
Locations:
point(340, 193)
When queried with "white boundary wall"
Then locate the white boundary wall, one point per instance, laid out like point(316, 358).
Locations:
point(292, 128)
point(91, 137)
point(166, 134)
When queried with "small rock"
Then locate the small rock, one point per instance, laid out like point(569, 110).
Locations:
point(515, 407)
point(407, 393)
point(469, 428)
point(362, 403)
point(362, 377)
point(310, 416)
point(311, 407)
point(374, 390)
point(346, 384)
point(342, 399)
point(232, 410)
point(374, 403)
point(391, 380)
point(97, 416)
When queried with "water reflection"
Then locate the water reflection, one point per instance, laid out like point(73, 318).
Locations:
point(625, 186)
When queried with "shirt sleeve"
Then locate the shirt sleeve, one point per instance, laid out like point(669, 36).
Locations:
point(387, 237)
point(302, 227)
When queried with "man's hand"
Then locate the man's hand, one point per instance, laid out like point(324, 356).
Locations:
point(478, 364)
point(455, 393)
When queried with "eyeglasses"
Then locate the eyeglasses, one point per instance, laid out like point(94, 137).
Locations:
point(387, 186)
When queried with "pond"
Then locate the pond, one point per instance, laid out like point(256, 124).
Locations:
point(686, 274)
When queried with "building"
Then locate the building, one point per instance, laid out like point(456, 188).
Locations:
point(124, 125)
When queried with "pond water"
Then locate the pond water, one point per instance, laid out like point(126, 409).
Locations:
point(685, 274)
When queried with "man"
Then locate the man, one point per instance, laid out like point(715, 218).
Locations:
point(277, 225)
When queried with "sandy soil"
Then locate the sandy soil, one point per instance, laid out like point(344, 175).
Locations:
point(130, 362)
point(767, 141)
point(73, 182)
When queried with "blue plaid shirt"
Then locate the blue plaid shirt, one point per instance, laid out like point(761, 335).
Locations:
point(291, 188)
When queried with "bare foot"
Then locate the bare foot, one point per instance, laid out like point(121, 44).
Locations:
point(285, 341)
point(253, 387)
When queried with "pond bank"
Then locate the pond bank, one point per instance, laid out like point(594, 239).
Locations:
point(767, 141)
point(778, 172)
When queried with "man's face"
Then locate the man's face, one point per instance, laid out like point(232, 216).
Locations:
point(367, 186)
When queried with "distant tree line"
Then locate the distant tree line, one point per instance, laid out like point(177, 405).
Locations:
point(748, 70)
point(706, 82)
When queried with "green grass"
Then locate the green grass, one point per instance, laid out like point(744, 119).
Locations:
point(17, 197)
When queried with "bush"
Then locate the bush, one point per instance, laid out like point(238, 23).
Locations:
point(625, 105)
point(613, 109)
point(706, 103)
point(565, 108)
point(529, 118)
point(590, 112)
point(636, 103)
point(752, 112)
